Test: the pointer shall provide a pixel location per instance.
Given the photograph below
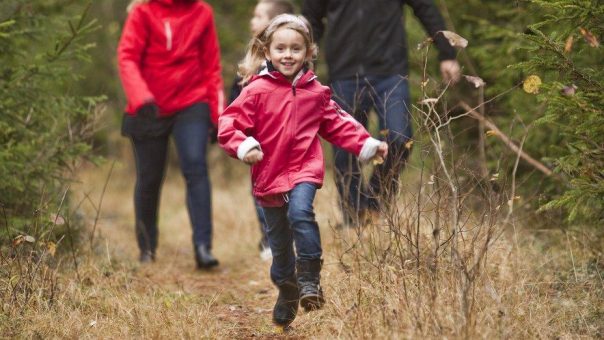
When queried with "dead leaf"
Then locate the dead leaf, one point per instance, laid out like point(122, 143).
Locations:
point(384, 132)
point(531, 84)
point(51, 247)
point(377, 160)
point(569, 90)
point(429, 101)
point(589, 37)
point(455, 39)
point(18, 240)
point(57, 219)
point(424, 43)
point(29, 239)
point(568, 46)
point(491, 133)
point(408, 145)
point(476, 81)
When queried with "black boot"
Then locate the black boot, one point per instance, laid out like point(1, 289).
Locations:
point(204, 257)
point(146, 256)
point(286, 306)
point(309, 283)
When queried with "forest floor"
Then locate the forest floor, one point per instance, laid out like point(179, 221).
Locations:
point(543, 283)
point(170, 297)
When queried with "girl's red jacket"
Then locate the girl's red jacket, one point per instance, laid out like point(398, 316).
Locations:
point(169, 54)
point(285, 121)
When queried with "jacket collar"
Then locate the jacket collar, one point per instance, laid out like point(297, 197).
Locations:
point(303, 77)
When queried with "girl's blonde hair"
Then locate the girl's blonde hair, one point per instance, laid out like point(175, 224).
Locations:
point(260, 43)
point(134, 3)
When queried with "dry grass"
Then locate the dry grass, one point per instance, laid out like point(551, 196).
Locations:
point(530, 283)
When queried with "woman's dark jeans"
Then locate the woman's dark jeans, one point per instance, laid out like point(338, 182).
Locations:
point(389, 96)
point(189, 129)
point(293, 223)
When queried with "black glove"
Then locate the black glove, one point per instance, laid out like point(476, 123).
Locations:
point(148, 111)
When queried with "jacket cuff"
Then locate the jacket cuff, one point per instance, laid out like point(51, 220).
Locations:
point(369, 149)
point(247, 145)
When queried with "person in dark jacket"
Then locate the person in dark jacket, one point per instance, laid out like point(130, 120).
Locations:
point(264, 12)
point(169, 65)
point(366, 51)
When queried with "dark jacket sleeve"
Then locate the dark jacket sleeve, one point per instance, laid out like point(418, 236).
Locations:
point(429, 15)
point(235, 89)
point(314, 11)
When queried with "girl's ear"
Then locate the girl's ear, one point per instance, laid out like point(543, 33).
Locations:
point(266, 54)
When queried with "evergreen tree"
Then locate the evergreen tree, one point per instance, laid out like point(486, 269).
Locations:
point(44, 127)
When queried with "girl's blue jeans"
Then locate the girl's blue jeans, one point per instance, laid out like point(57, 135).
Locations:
point(293, 224)
point(389, 97)
point(189, 129)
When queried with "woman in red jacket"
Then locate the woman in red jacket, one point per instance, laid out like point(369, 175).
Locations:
point(169, 64)
point(274, 125)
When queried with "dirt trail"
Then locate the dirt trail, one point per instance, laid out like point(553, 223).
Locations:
point(235, 300)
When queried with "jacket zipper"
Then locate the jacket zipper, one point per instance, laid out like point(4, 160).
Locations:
point(168, 31)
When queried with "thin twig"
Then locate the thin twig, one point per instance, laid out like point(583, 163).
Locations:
point(506, 140)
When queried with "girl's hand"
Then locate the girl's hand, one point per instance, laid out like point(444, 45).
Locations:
point(381, 153)
point(253, 156)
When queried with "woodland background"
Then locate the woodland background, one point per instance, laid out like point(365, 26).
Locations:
point(482, 242)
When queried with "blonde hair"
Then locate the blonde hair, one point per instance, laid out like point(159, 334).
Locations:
point(134, 3)
point(260, 43)
point(278, 7)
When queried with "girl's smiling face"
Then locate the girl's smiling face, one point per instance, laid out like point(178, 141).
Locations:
point(287, 52)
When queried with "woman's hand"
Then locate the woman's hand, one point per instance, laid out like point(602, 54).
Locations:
point(253, 156)
point(450, 71)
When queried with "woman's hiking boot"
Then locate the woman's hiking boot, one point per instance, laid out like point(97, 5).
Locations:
point(286, 307)
point(309, 283)
point(146, 256)
point(204, 257)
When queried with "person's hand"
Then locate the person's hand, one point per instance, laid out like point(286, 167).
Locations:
point(148, 110)
point(253, 156)
point(450, 71)
point(381, 153)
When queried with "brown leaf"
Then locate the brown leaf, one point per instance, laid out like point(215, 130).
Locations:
point(589, 37)
point(476, 81)
point(455, 39)
point(408, 145)
point(569, 90)
point(377, 160)
point(52, 248)
point(57, 219)
point(568, 46)
point(491, 133)
point(424, 43)
point(429, 101)
point(18, 240)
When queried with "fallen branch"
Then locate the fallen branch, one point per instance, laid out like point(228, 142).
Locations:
point(506, 140)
